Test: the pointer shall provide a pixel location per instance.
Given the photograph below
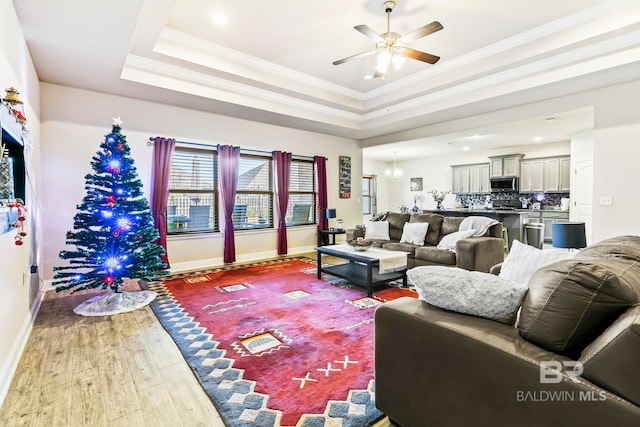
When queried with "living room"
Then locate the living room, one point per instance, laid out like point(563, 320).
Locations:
point(68, 121)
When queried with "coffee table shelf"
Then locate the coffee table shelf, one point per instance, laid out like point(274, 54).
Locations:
point(360, 270)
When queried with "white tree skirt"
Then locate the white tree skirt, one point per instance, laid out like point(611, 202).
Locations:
point(114, 303)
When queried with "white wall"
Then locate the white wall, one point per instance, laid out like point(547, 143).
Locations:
point(19, 299)
point(74, 128)
point(616, 175)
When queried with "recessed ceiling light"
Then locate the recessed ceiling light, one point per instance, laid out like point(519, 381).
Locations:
point(477, 136)
point(368, 77)
point(465, 148)
point(537, 139)
point(220, 18)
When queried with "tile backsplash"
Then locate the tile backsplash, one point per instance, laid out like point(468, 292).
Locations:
point(545, 199)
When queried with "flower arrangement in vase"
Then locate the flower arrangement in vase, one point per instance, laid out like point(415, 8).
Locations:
point(438, 196)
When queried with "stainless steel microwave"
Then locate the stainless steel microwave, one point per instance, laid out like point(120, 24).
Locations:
point(503, 185)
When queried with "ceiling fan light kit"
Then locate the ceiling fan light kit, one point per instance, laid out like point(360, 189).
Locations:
point(392, 47)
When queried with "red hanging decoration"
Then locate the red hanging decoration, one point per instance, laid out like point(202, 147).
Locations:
point(19, 224)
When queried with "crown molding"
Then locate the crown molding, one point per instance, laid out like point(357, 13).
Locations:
point(156, 73)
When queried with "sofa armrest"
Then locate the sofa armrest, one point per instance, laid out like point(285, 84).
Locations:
point(479, 253)
point(354, 233)
point(496, 269)
point(430, 362)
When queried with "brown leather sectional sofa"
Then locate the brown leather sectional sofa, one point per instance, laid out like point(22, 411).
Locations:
point(573, 359)
point(474, 253)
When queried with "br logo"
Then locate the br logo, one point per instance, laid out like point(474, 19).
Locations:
point(552, 371)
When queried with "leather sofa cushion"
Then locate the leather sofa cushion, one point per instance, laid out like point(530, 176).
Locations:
point(405, 247)
point(611, 361)
point(396, 224)
point(623, 246)
point(379, 243)
point(571, 302)
point(435, 255)
point(450, 224)
point(435, 226)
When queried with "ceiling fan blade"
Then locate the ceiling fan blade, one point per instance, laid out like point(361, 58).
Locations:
point(420, 56)
point(367, 31)
point(421, 32)
point(359, 55)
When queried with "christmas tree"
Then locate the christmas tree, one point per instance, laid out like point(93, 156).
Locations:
point(113, 230)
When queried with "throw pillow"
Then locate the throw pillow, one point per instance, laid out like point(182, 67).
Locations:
point(523, 260)
point(377, 230)
point(449, 241)
point(414, 233)
point(469, 292)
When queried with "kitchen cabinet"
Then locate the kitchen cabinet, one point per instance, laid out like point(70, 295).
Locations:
point(531, 175)
point(469, 179)
point(508, 165)
point(557, 174)
point(546, 174)
point(565, 174)
point(548, 217)
point(460, 184)
point(479, 178)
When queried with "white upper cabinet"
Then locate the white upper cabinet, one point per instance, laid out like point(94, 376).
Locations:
point(557, 174)
point(469, 179)
point(505, 165)
point(531, 175)
point(548, 174)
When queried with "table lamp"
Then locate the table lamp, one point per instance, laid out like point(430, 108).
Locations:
point(569, 235)
point(330, 213)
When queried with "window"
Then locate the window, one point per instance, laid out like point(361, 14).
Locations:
point(193, 191)
point(254, 194)
point(302, 195)
point(369, 195)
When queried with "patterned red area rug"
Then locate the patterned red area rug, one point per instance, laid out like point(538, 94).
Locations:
point(274, 346)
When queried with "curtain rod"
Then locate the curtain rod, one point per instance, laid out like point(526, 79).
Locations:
point(244, 150)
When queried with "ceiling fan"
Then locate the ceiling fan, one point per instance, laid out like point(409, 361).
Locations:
point(391, 47)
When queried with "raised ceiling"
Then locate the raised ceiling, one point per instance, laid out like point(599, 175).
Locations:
point(272, 61)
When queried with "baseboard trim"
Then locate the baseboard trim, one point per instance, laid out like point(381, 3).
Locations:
point(201, 264)
point(8, 369)
point(215, 262)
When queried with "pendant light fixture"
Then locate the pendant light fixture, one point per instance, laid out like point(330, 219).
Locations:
point(395, 172)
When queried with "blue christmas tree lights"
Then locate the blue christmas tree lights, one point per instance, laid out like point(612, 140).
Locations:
point(113, 232)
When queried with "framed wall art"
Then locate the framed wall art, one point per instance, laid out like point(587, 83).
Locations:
point(344, 168)
point(416, 184)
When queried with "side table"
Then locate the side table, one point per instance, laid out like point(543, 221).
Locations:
point(327, 233)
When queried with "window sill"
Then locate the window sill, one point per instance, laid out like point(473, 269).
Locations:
point(189, 236)
point(239, 231)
